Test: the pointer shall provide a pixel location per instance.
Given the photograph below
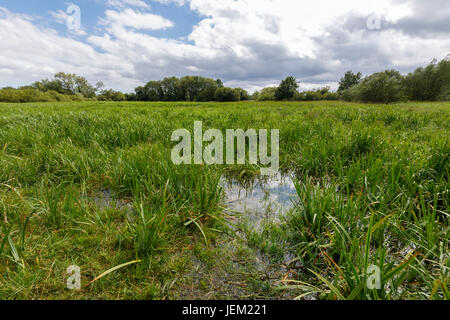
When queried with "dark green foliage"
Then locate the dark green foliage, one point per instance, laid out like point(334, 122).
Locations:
point(227, 94)
point(266, 94)
point(431, 83)
point(189, 88)
point(316, 95)
point(349, 80)
point(69, 84)
point(243, 94)
point(219, 83)
point(197, 88)
point(35, 95)
point(171, 89)
point(152, 91)
point(287, 89)
point(382, 87)
point(111, 95)
point(64, 87)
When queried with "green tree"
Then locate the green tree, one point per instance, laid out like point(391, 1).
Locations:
point(243, 94)
point(349, 80)
point(219, 83)
point(287, 89)
point(68, 83)
point(207, 89)
point(382, 87)
point(171, 89)
point(226, 94)
point(191, 87)
point(430, 83)
point(153, 91)
point(140, 93)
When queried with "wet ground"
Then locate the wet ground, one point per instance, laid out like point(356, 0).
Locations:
point(260, 203)
point(237, 271)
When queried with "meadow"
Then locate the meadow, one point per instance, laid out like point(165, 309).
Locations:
point(92, 184)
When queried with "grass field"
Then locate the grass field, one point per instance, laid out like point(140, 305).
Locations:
point(92, 184)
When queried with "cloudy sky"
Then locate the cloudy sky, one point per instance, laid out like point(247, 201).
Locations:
point(247, 43)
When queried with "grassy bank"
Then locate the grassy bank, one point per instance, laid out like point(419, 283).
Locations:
point(92, 184)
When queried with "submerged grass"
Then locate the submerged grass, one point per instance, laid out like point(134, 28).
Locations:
point(372, 190)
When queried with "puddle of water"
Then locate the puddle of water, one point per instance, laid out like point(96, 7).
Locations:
point(260, 201)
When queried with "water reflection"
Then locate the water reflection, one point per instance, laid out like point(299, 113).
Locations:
point(263, 200)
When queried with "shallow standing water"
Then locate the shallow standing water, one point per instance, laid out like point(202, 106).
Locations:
point(260, 201)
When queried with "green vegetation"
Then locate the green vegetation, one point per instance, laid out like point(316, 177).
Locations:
point(349, 80)
point(189, 88)
point(92, 184)
point(226, 94)
point(425, 84)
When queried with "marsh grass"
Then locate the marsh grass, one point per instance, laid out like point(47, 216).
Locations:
point(371, 180)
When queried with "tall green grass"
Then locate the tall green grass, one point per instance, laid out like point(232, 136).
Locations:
point(371, 180)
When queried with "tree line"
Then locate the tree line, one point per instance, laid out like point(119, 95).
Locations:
point(430, 83)
point(71, 87)
point(189, 88)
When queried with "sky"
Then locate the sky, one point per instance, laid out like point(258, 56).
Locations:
point(246, 43)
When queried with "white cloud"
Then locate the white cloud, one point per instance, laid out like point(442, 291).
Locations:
point(135, 19)
point(247, 43)
point(29, 53)
point(291, 24)
point(177, 2)
point(127, 3)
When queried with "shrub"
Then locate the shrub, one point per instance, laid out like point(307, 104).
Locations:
point(430, 83)
point(56, 96)
point(316, 95)
point(383, 87)
point(111, 95)
point(226, 94)
point(243, 94)
point(24, 95)
point(267, 94)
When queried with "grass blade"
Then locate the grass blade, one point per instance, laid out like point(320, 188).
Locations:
point(112, 270)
